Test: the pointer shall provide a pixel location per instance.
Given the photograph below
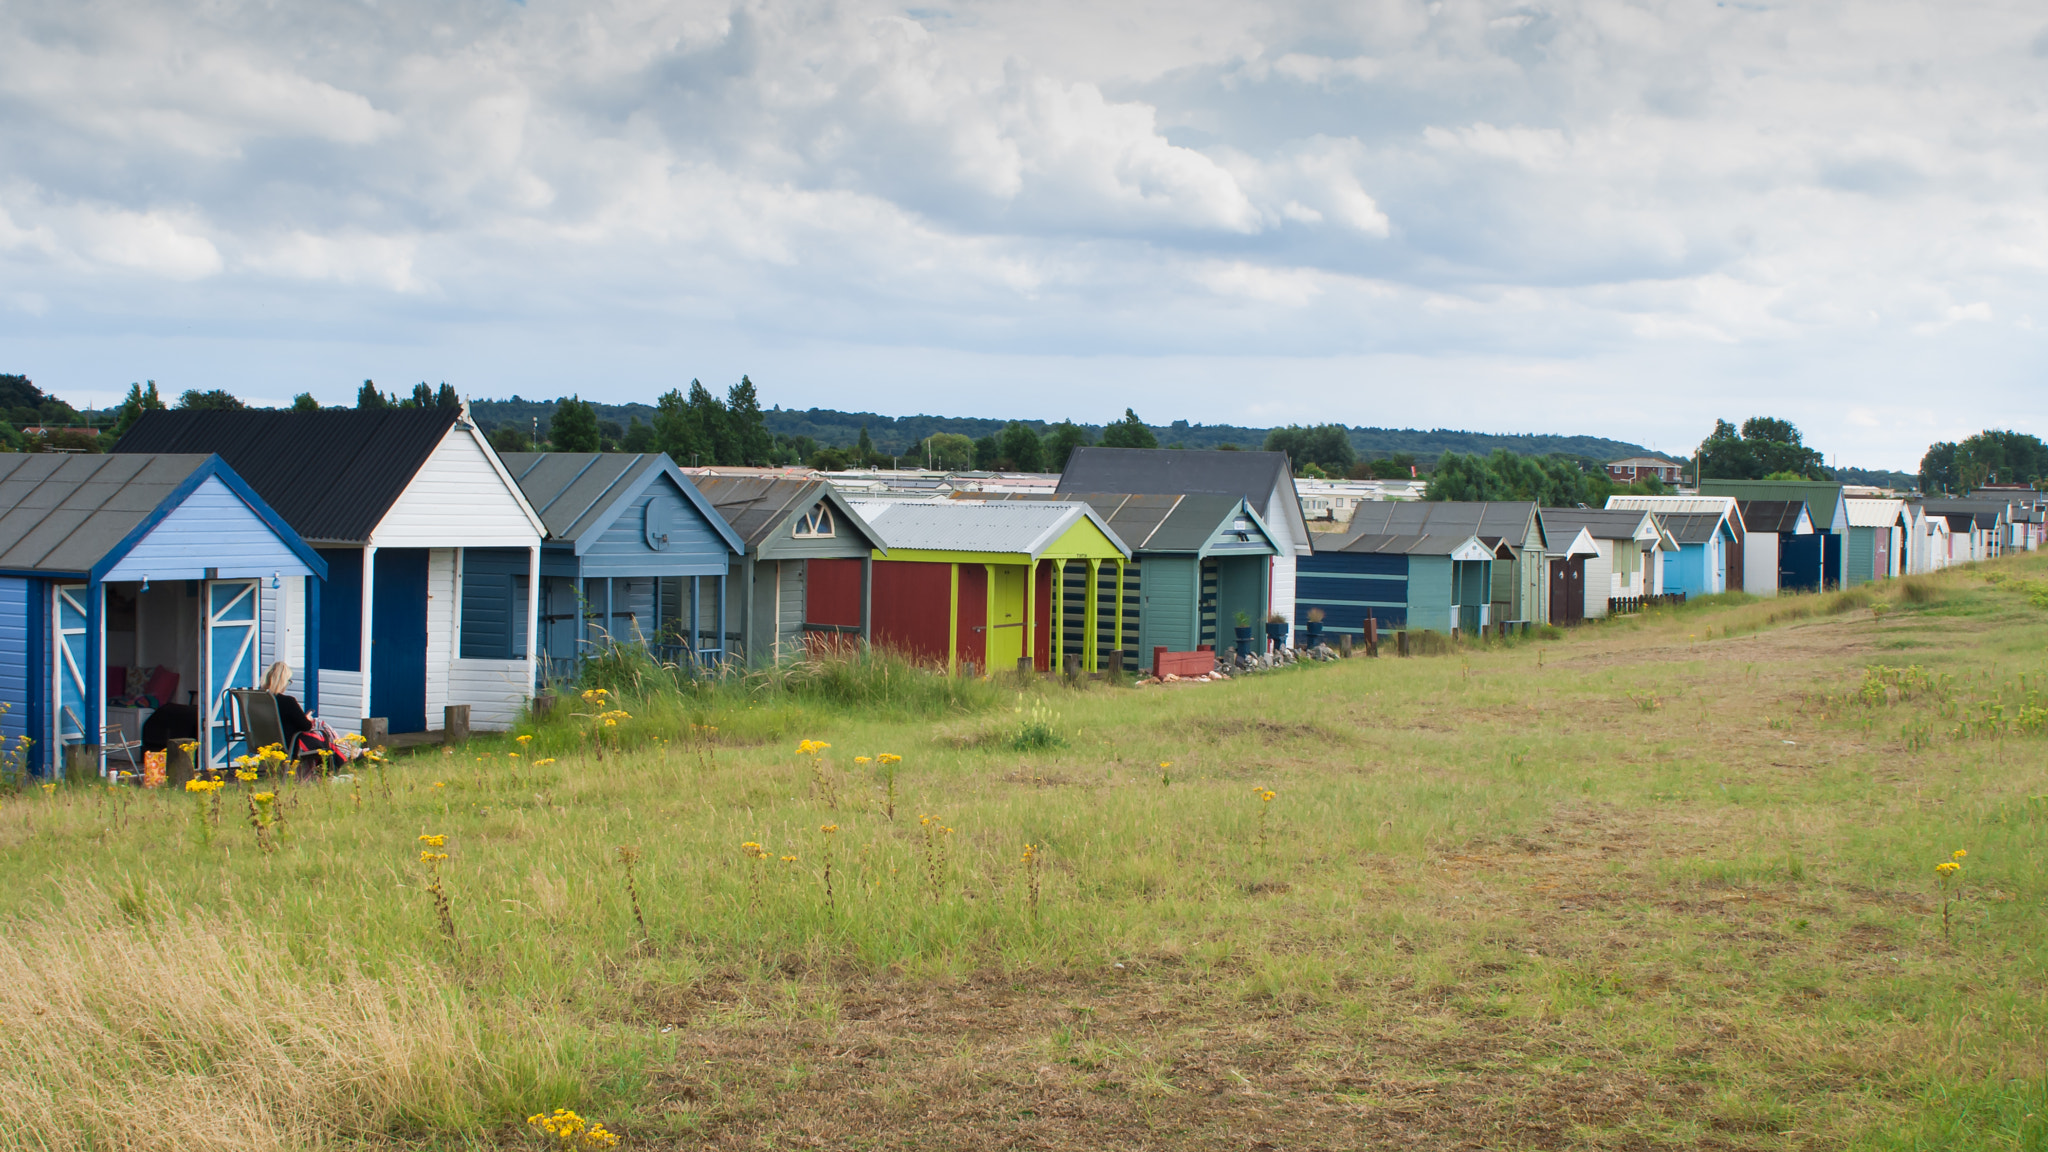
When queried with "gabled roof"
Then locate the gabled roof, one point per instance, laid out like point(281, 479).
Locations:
point(1603, 523)
point(1727, 506)
point(1579, 543)
point(758, 506)
point(65, 514)
point(1255, 476)
point(1823, 498)
point(578, 494)
point(1505, 520)
point(1873, 513)
point(1781, 516)
point(1467, 547)
point(1692, 527)
point(1017, 527)
point(1170, 523)
point(332, 474)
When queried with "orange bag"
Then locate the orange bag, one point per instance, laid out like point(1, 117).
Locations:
point(153, 768)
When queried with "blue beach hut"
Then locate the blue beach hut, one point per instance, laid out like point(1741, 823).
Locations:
point(1427, 582)
point(131, 582)
point(633, 552)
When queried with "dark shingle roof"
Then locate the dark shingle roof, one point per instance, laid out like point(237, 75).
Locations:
point(1147, 522)
point(1426, 544)
point(1491, 520)
point(63, 513)
point(1603, 523)
point(1771, 515)
point(1691, 527)
point(1254, 476)
point(332, 474)
point(571, 491)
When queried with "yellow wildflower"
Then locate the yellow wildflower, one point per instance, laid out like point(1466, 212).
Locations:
point(828, 829)
point(434, 841)
point(1958, 854)
point(525, 739)
point(1947, 866)
point(544, 762)
point(860, 759)
point(264, 797)
point(888, 758)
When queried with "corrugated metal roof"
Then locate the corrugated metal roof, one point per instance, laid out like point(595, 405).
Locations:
point(332, 474)
point(1023, 527)
point(64, 512)
point(1869, 513)
point(1772, 515)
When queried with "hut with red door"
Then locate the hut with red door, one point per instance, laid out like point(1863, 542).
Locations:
point(970, 583)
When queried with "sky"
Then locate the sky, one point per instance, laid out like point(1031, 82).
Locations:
point(1619, 219)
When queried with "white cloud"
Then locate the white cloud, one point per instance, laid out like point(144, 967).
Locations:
point(1588, 192)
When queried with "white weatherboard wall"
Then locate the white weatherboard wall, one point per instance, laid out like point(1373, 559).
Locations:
point(1280, 525)
point(458, 499)
point(1599, 578)
point(1760, 564)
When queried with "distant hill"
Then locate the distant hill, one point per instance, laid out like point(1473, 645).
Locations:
point(898, 434)
point(1878, 478)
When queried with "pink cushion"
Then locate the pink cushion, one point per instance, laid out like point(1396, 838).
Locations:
point(162, 685)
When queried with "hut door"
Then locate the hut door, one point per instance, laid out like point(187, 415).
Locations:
point(1208, 604)
point(69, 668)
point(230, 651)
point(1568, 590)
point(1006, 625)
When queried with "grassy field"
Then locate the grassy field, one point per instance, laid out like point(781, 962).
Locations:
point(1668, 881)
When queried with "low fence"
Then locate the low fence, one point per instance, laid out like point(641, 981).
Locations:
point(1630, 605)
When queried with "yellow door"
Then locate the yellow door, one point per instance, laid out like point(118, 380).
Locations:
point(1006, 619)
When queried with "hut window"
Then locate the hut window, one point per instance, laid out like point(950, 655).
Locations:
point(816, 523)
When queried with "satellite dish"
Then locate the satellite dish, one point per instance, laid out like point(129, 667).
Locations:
point(657, 526)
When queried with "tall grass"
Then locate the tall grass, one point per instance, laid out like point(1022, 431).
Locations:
point(133, 1025)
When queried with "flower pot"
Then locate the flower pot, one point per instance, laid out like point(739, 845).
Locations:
point(1244, 641)
point(1314, 630)
point(1277, 633)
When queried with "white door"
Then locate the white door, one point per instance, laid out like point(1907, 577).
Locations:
point(232, 620)
point(68, 669)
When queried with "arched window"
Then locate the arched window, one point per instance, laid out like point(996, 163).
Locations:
point(816, 523)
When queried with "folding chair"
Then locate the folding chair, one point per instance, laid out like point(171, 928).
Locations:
point(113, 738)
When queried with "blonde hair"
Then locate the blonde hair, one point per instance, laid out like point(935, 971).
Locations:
point(278, 678)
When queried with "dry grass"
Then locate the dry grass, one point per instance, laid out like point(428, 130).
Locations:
point(134, 1025)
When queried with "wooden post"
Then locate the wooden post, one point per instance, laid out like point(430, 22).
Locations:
point(1372, 636)
point(376, 731)
point(1026, 665)
point(177, 765)
point(1344, 645)
point(1072, 661)
point(81, 761)
point(455, 725)
point(1401, 642)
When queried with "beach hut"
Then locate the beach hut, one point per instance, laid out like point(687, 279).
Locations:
point(392, 500)
point(1427, 583)
point(131, 583)
point(1196, 562)
point(1825, 505)
point(1876, 540)
point(1513, 529)
point(1263, 479)
point(634, 553)
point(1708, 533)
point(952, 588)
point(1627, 546)
point(806, 572)
point(1782, 553)
point(1564, 600)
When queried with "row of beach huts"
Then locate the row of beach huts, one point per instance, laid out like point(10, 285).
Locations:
point(409, 574)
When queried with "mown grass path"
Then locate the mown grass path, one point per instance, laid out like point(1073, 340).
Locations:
point(1666, 882)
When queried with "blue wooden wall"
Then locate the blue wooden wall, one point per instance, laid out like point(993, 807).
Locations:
point(210, 528)
point(1348, 586)
point(14, 658)
point(695, 548)
point(494, 603)
point(341, 610)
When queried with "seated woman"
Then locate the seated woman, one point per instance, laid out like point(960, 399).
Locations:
point(303, 734)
